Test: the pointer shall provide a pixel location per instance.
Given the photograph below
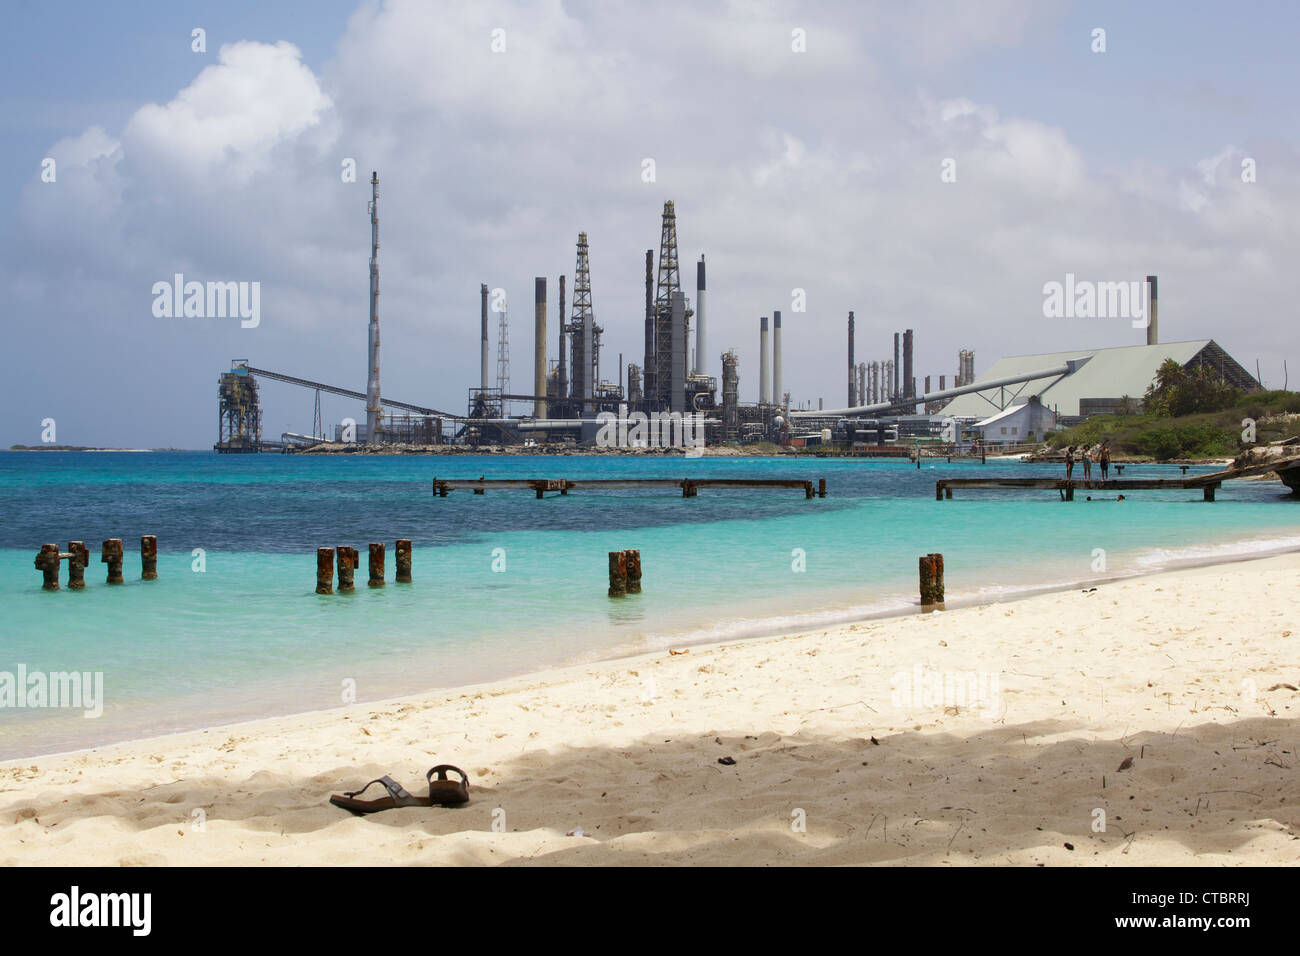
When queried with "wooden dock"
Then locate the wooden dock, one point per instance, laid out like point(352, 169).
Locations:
point(689, 486)
point(943, 488)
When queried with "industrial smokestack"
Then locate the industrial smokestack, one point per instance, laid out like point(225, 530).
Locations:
point(539, 346)
point(909, 380)
point(648, 370)
point(764, 386)
point(852, 390)
point(701, 349)
point(776, 359)
point(1153, 335)
point(927, 385)
point(483, 339)
point(562, 383)
point(894, 395)
point(372, 373)
point(677, 378)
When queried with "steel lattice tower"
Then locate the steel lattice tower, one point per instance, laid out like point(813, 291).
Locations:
point(670, 283)
point(582, 328)
point(503, 354)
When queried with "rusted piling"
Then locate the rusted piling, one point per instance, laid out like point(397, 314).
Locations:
point(376, 564)
point(324, 570)
point(111, 554)
point(47, 562)
point(78, 558)
point(347, 565)
point(617, 573)
point(632, 562)
point(821, 487)
point(931, 566)
point(403, 560)
point(149, 557)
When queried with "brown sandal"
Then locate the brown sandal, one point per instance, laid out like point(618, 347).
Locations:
point(442, 793)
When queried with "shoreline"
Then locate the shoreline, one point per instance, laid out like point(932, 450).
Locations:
point(1150, 668)
point(617, 656)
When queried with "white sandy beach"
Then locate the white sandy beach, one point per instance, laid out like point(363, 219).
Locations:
point(1182, 672)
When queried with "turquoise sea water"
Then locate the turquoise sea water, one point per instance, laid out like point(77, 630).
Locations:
point(247, 636)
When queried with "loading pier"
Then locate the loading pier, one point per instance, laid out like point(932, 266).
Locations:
point(689, 486)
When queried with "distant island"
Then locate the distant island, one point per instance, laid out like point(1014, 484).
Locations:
point(81, 448)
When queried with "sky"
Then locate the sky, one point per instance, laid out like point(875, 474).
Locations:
point(804, 145)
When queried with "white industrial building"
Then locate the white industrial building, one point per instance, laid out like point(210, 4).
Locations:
point(1084, 382)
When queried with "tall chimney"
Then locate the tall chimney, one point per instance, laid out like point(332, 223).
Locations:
point(539, 346)
point(927, 386)
point(776, 358)
point(372, 373)
point(647, 370)
point(909, 380)
point(852, 390)
point(764, 386)
point(483, 339)
point(1153, 334)
point(677, 378)
point(562, 379)
point(701, 349)
point(895, 395)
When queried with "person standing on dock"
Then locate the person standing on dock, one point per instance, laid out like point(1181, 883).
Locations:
point(1069, 462)
point(1105, 461)
point(1087, 464)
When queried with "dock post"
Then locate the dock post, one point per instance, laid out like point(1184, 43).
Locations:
point(47, 562)
point(149, 557)
point(821, 487)
point(947, 492)
point(1209, 492)
point(403, 560)
point(324, 570)
point(376, 564)
point(78, 558)
point(633, 565)
point(1069, 491)
point(938, 491)
point(617, 573)
point(808, 489)
point(111, 554)
point(931, 568)
point(540, 488)
point(347, 567)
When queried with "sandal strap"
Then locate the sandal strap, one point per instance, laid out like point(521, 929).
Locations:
point(395, 789)
point(441, 771)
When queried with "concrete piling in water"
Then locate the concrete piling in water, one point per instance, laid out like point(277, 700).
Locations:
point(633, 565)
point(47, 562)
point(78, 558)
point(617, 573)
point(111, 554)
point(931, 567)
point(324, 570)
point(376, 564)
point(149, 557)
point(403, 560)
point(347, 567)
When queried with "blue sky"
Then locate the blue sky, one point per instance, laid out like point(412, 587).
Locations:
point(816, 171)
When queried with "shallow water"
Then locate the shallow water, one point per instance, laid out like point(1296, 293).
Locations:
point(246, 636)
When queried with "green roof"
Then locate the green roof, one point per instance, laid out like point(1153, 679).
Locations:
point(1106, 373)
